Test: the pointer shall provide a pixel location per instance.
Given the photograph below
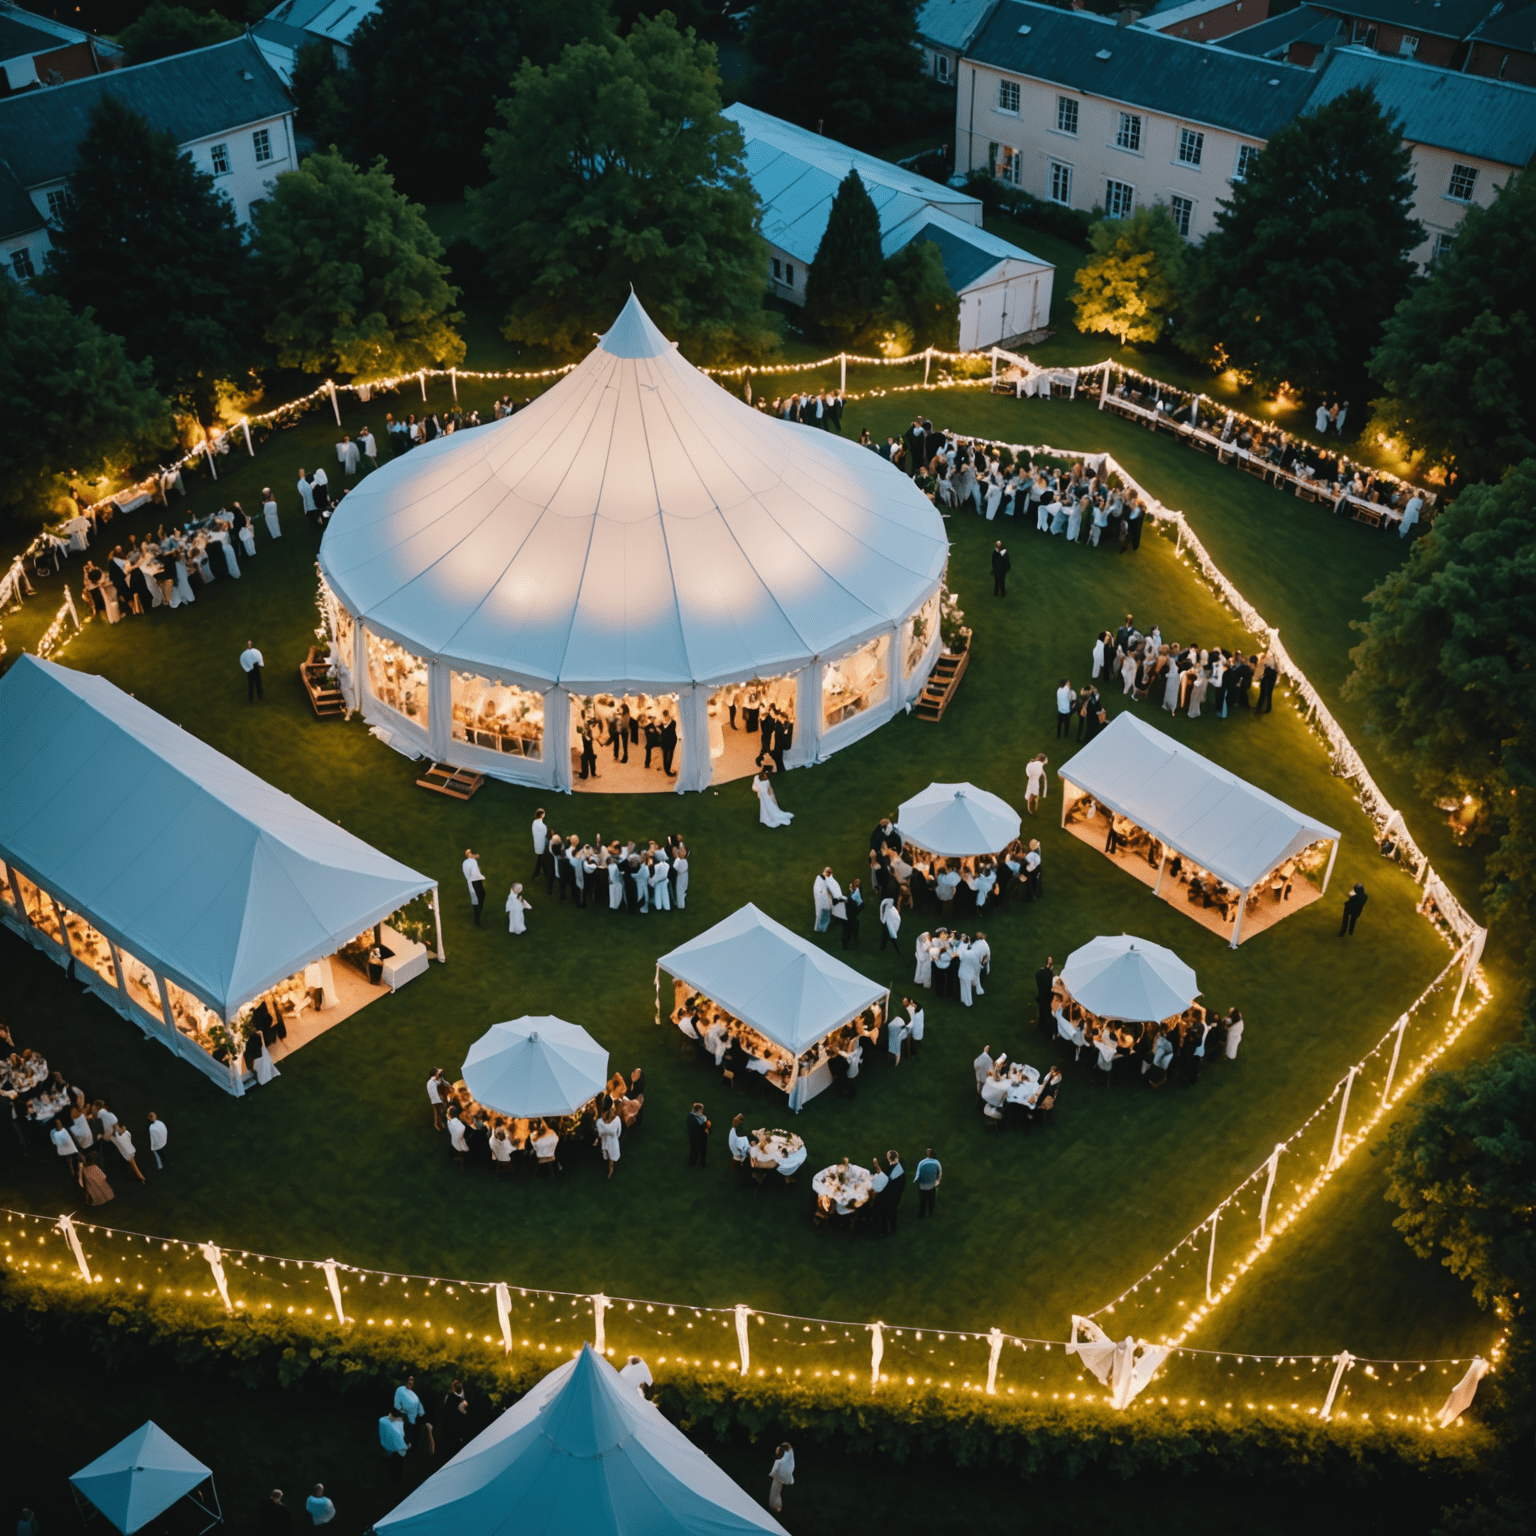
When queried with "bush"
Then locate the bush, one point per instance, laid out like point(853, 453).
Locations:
point(1066, 223)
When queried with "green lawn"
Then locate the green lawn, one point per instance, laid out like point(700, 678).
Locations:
point(339, 1157)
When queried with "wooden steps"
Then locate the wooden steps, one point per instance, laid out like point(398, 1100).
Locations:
point(324, 693)
point(941, 685)
point(456, 783)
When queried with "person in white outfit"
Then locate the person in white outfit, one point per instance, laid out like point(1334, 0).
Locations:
point(982, 951)
point(1036, 785)
point(680, 877)
point(516, 907)
point(923, 951)
point(968, 971)
point(269, 511)
point(781, 1476)
point(822, 898)
point(768, 812)
point(306, 494)
point(661, 889)
point(609, 1128)
point(1128, 672)
point(347, 456)
point(915, 1023)
point(1098, 657)
point(1410, 514)
point(1234, 1034)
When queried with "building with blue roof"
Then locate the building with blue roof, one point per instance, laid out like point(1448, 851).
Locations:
point(1004, 291)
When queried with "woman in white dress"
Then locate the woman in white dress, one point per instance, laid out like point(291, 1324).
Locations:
point(661, 889)
point(516, 906)
point(994, 494)
point(1175, 680)
point(609, 1129)
point(1098, 656)
point(1075, 519)
point(768, 812)
point(924, 953)
point(680, 876)
point(1128, 669)
point(968, 972)
point(615, 883)
point(1234, 1034)
point(1197, 688)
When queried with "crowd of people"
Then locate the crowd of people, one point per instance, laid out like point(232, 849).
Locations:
point(479, 1133)
point(622, 723)
point(43, 1102)
point(601, 876)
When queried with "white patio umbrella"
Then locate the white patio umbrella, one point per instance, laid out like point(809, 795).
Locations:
point(953, 820)
point(1129, 978)
point(535, 1066)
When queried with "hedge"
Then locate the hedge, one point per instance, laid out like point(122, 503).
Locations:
point(123, 1330)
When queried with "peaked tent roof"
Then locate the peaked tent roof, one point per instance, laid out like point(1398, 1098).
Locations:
point(535, 1065)
point(140, 1477)
point(1129, 978)
point(89, 781)
point(581, 1453)
point(1222, 822)
point(636, 525)
point(957, 820)
point(782, 985)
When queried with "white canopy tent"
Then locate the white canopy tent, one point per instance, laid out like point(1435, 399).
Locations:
point(582, 1453)
point(141, 1477)
point(637, 528)
point(1192, 806)
point(956, 820)
point(783, 986)
point(535, 1066)
point(129, 844)
point(1130, 979)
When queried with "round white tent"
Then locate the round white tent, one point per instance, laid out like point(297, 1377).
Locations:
point(1130, 979)
point(535, 1066)
point(956, 821)
point(635, 530)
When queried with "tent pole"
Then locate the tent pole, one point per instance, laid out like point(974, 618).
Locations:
point(437, 918)
point(1328, 873)
point(1237, 927)
point(1064, 787)
point(1162, 864)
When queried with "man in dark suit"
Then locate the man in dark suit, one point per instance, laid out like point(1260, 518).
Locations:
point(588, 750)
point(1123, 634)
point(554, 857)
point(1001, 565)
point(668, 738)
point(889, 1198)
point(1045, 979)
point(783, 735)
point(916, 439)
point(620, 734)
point(1354, 905)
point(1087, 711)
point(1268, 677)
point(765, 732)
point(885, 836)
point(652, 739)
point(698, 1136)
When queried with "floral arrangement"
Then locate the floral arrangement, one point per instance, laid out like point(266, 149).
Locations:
point(952, 622)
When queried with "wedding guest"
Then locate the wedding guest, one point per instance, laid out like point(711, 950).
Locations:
point(275, 1518)
point(915, 1025)
point(455, 1419)
point(890, 923)
point(609, 1129)
point(698, 1136)
point(124, 1143)
point(982, 1066)
point(93, 1181)
point(159, 1135)
point(928, 1174)
point(825, 892)
point(737, 1143)
point(321, 1510)
point(516, 907)
point(392, 1439)
point(853, 907)
point(1234, 1034)
point(1065, 700)
point(781, 1476)
point(1354, 905)
point(412, 1410)
point(475, 881)
point(251, 664)
point(1036, 786)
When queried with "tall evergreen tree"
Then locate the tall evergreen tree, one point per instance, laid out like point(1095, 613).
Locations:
point(1458, 358)
point(845, 287)
point(353, 268)
point(855, 69)
point(1132, 284)
point(150, 244)
point(424, 80)
point(615, 167)
point(74, 399)
point(1310, 255)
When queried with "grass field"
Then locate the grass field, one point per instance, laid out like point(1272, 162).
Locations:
point(339, 1157)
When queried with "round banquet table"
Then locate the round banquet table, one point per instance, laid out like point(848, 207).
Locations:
point(787, 1151)
point(1023, 1085)
point(846, 1189)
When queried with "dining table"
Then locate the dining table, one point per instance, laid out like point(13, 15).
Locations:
point(787, 1151)
point(844, 1187)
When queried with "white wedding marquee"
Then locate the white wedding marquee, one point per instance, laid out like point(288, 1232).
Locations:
point(782, 987)
point(581, 1452)
point(639, 533)
point(182, 888)
point(1227, 834)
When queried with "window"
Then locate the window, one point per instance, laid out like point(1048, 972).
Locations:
point(778, 270)
point(1128, 135)
point(1247, 158)
point(397, 678)
point(1066, 115)
point(58, 203)
point(1363, 32)
point(1463, 183)
point(789, 273)
point(498, 716)
point(1409, 47)
point(941, 66)
point(262, 139)
point(1119, 199)
point(1008, 96)
point(1182, 209)
point(856, 682)
point(1061, 183)
point(1008, 165)
point(1443, 243)
point(221, 159)
point(21, 264)
point(1191, 146)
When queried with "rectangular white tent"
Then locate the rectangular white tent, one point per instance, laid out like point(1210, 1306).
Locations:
point(784, 986)
point(158, 851)
point(141, 1477)
point(1192, 806)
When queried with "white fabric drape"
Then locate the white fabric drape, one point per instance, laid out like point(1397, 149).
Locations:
point(743, 1318)
point(696, 769)
point(333, 1280)
point(996, 1337)
point(504, 1316)
point(72, 1237)
point(557, 738)
point(1463, 1393)
point(876, 1353)
point(215, 1257)
point(600, 1305)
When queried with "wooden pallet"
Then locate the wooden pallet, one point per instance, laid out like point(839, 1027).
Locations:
point(324, 695)
point(941, 685)
point(457, 783)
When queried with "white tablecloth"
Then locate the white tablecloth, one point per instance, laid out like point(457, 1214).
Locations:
point(847, 1189)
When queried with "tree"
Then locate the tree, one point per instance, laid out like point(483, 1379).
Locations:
point(73, 397)
point(1133, 283)
point(845, 286)
point(919, 303)
point(425, 78)
point(1310, 255)
point(166, 29)
point(614, 168)
point(1447, 670)
point(354, 272)
point(856, 69)
point(318, 91)
point(150, 244)
point(1458, 358)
